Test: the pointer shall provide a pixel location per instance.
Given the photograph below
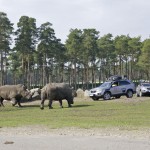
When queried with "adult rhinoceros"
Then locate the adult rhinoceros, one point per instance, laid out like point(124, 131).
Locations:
point(14, 93)
point(58, 92)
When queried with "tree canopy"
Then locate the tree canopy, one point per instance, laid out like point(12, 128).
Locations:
point(37, 56)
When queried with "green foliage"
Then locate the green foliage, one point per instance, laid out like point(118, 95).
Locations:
point(46, 38)
point(135, 46)
point(89, 43)
point(26, 35)
point(106, 46)
point(39, 56)
point(6, 30)
point(121, 45)
point(50, 51)
point(144, 59)
point(25, 41)
point(106, 53)
point(73, 44)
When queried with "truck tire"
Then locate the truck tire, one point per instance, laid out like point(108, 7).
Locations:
point(129, 94)
point(107, 96)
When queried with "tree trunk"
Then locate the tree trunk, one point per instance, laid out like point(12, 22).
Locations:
point(28, 74)
point(75, 75)
point(2, 69)
point(120, 70)
point(44, 70)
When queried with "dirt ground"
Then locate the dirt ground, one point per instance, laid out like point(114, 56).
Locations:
point(38, 137)
point(107, 132)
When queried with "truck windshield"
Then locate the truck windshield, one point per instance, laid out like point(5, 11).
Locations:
point(106, 84)
point(146, 84)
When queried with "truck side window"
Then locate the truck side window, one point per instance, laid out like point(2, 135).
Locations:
point(115, 84)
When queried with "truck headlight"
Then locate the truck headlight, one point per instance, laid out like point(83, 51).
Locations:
point(99, 90)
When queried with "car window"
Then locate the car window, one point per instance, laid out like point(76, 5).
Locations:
point(115, 84)
point(106, 84)
point(123, 83)
point(146, 84)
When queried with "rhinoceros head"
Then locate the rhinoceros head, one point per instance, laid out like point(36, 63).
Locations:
point(28, 94)
point(25, 92)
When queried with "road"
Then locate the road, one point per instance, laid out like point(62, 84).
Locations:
point(67, 142)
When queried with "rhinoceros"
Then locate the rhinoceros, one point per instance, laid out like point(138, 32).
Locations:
point(14, 93)
point(57, 92)
point(35, 92)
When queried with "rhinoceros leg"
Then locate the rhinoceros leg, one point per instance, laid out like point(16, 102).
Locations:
point(60, 102)
point(50, 104)
point(18, 98)
point(14, 101)
point(1, 101)
point(69, 105)
point(18, 101)
point(42, 104)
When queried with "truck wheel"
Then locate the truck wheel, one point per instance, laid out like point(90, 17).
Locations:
point(129, 94)
point(107, 96)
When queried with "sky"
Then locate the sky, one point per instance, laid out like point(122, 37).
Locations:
point(127, 17)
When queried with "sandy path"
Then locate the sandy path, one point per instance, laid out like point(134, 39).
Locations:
point(37, 138)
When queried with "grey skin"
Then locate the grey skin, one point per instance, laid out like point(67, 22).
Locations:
point(57, 92)
point(14, 93)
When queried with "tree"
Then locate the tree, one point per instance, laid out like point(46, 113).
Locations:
point(46, 50)
point(122, 51)
point(6, 30)
point(144, 59)
point(60, 58)
point(134, 53)
point(73, 46)
point(89, 51)
point(25, 45)
point(106, 55)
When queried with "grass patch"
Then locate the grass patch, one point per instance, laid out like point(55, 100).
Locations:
point(83, 114)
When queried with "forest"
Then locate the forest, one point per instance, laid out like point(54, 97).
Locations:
point(34, 56)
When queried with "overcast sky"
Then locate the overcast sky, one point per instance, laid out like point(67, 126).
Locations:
point(106, 16)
